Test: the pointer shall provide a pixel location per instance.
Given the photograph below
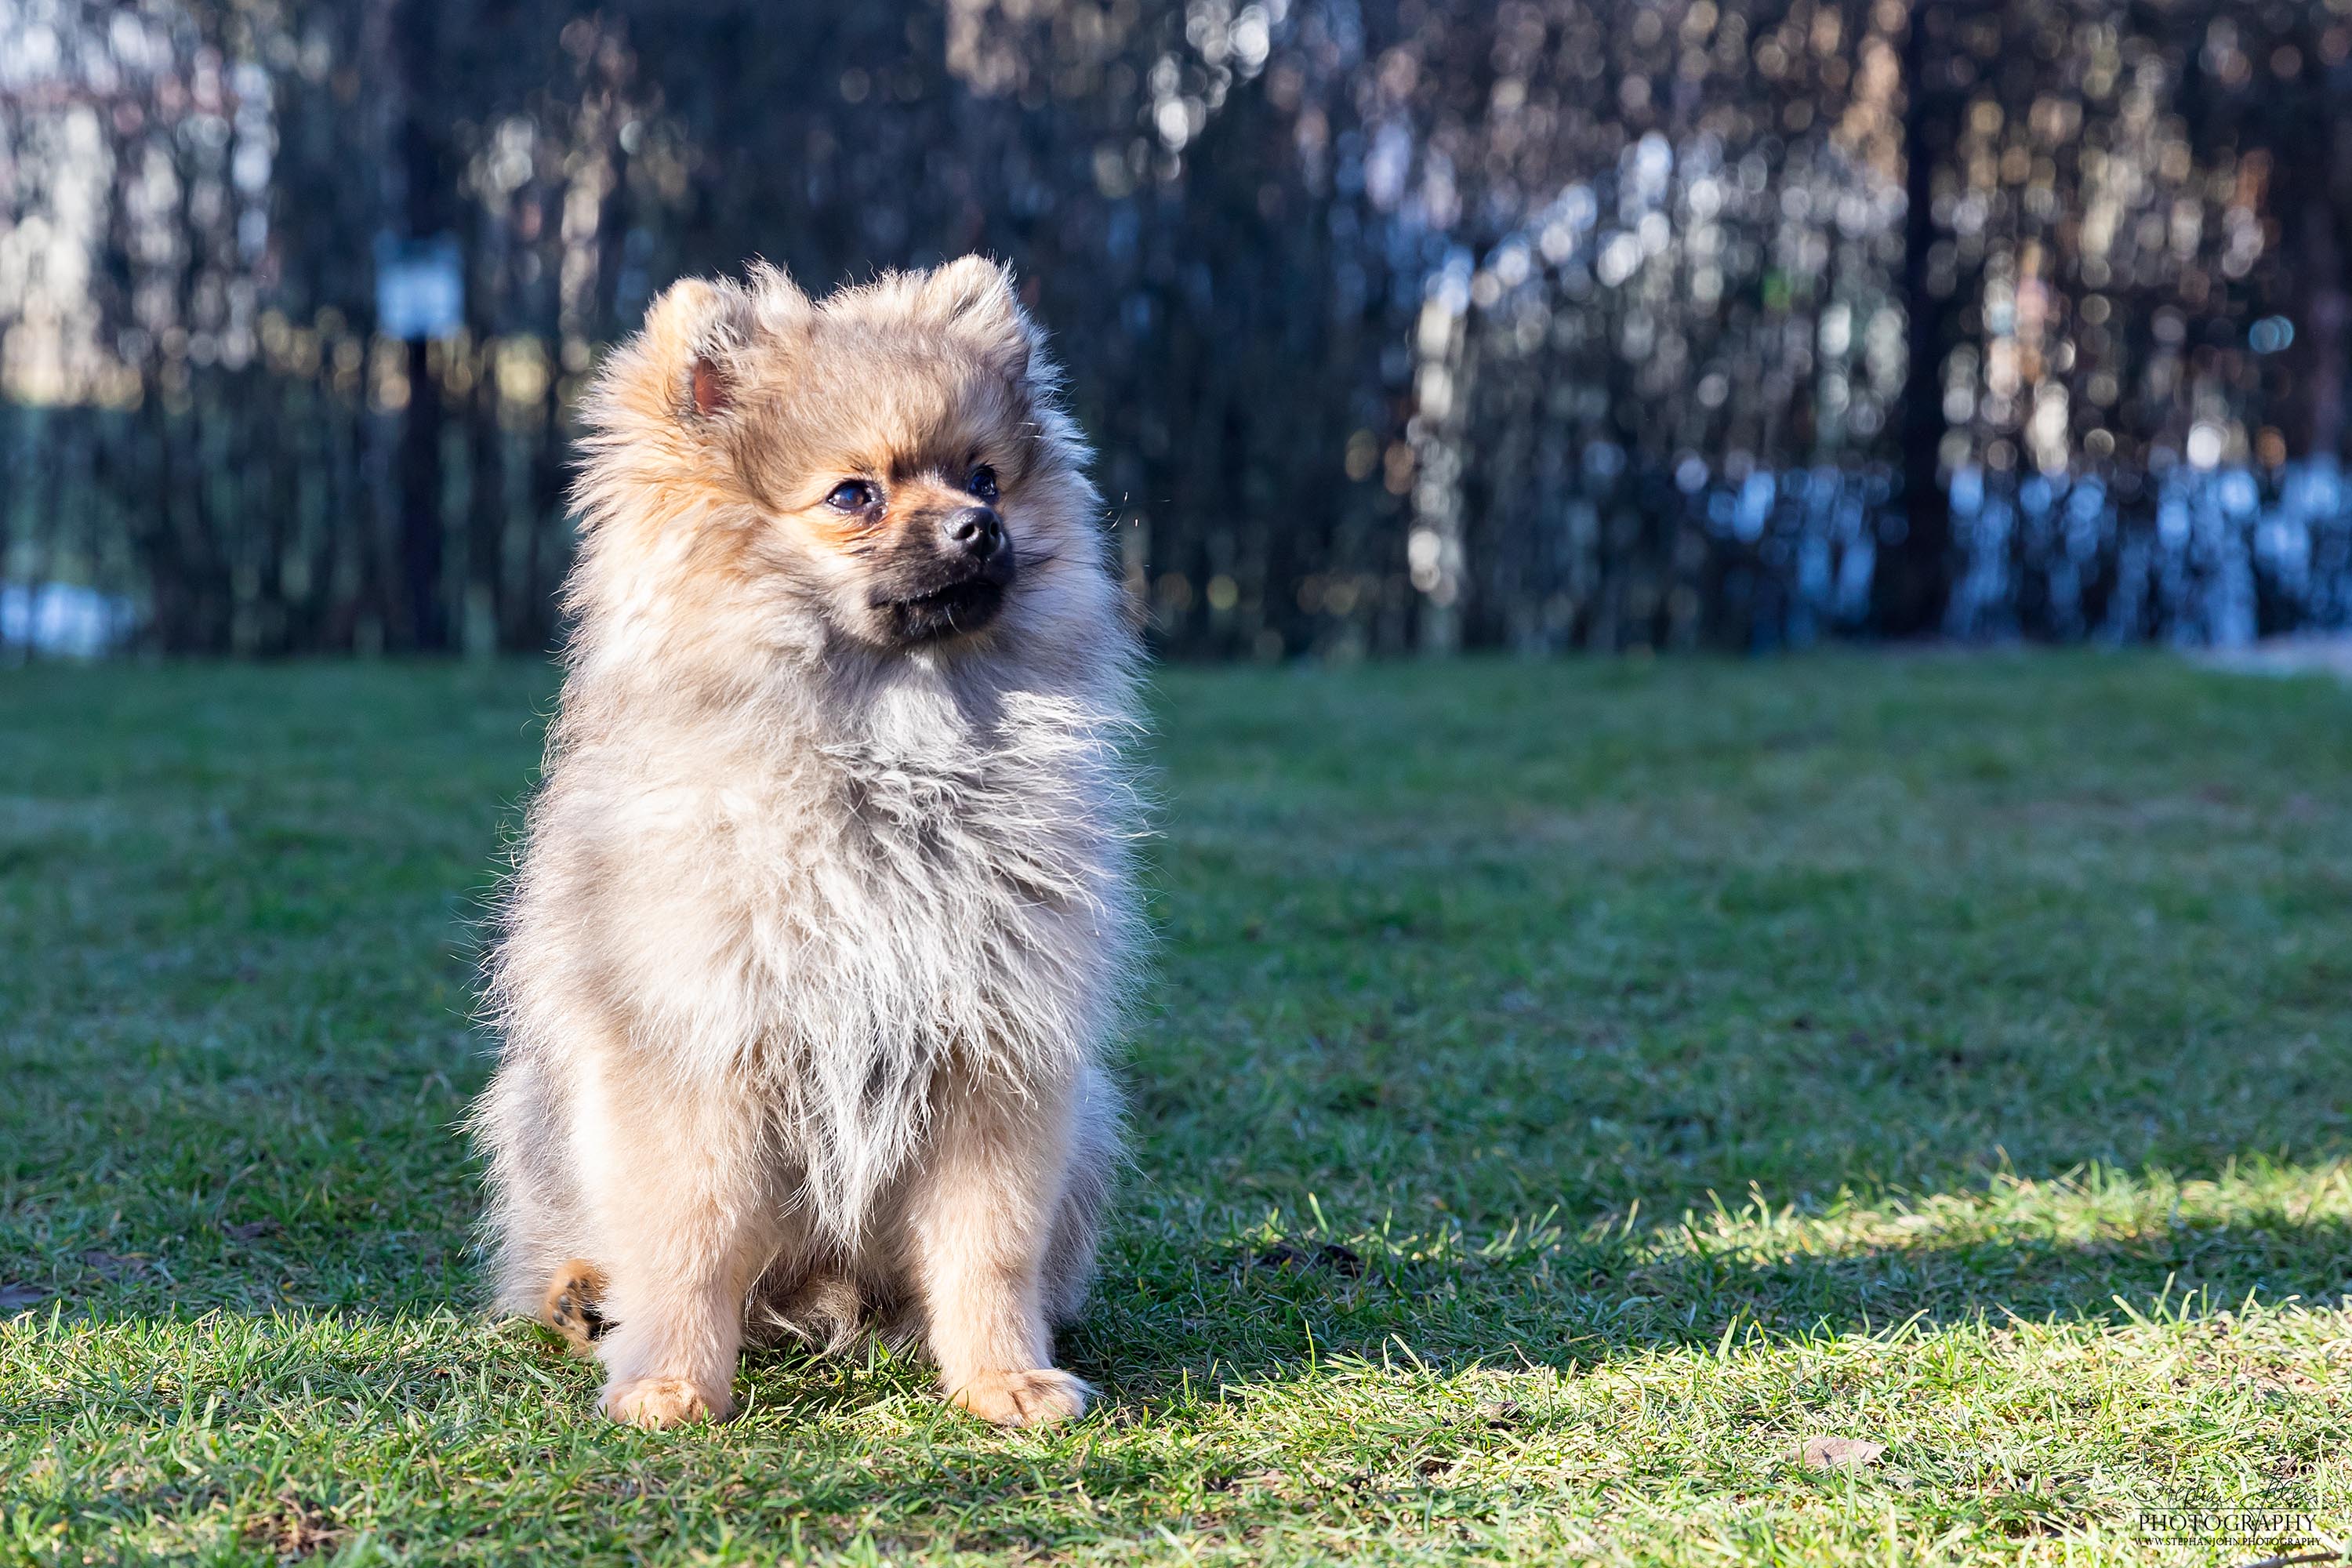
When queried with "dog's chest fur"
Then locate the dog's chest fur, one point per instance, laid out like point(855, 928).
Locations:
point(837, 913)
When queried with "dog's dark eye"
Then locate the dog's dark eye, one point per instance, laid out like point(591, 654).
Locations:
point(982, 482)
point(852, 494)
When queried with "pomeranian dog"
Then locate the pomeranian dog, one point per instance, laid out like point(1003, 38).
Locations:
point(822, 914)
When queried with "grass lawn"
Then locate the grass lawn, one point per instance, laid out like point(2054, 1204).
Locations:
point(1570, 1089)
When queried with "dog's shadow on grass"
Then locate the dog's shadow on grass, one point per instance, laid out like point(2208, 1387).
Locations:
point(1540, 1298)
point(1565, 1303)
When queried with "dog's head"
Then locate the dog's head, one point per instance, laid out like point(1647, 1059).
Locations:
point(887, 466)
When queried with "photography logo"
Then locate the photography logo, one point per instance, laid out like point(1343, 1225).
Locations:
point(2284, 1516)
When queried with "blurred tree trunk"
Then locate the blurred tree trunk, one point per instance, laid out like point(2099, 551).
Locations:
point(421, 543)
point(2312, 193)
point(1913, 576)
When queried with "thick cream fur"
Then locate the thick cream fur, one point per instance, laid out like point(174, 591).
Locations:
point(813, 945)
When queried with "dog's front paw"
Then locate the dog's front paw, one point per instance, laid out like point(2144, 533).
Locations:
point(1024, 1398)
point(657, 1404)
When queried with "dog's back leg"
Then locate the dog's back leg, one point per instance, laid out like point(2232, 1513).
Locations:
point(575, 1305)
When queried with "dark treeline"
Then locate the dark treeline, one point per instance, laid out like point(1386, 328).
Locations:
point(1398, 323)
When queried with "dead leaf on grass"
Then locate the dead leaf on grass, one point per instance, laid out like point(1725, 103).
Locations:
point(1840, 1453)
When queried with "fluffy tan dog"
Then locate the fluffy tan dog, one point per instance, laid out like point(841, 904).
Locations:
point(823, 911)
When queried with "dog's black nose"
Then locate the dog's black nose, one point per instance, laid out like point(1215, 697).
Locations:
point(975, 531)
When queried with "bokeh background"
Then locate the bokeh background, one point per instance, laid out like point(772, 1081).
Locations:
point(1401, 324)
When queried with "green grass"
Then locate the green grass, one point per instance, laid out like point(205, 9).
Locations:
point(1692, 1060)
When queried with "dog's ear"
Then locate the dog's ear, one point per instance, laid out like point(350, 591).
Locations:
point(974, 294)
point(696, 333)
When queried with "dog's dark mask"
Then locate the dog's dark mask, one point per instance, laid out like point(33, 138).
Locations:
point(946, 575)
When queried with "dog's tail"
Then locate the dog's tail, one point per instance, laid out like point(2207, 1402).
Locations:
point(824, 1309)
point(573, 1305)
